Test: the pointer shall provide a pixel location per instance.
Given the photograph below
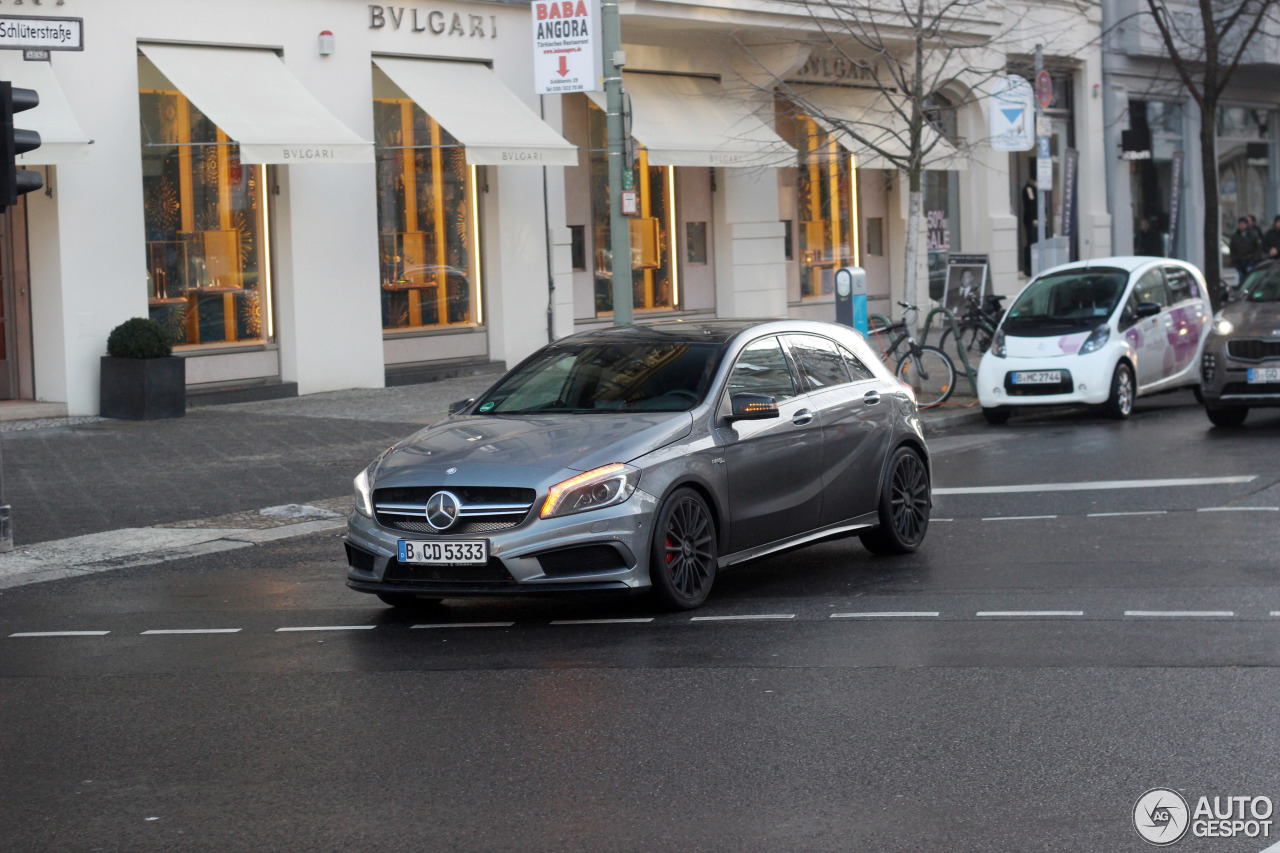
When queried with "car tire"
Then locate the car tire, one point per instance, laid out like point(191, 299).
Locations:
point(682, 551)
point(904, 506)
point(995, 415)
point(407, 601)
point(1199, 395)
point(1119, 404)
point(1227, 416)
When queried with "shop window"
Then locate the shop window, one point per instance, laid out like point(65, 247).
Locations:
point(1244, 164)
point(654, 276)
point(875, 236)
point(207, 253)
point(428, 242)
point(696, 242)
point(578, 247)
point(788, 242)
point(825, 206)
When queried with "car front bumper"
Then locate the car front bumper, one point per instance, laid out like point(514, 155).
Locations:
point(1090, 380)
point(514, 564)
point(1224, 381)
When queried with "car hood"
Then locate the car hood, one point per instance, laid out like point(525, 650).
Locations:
point(1046, 347)
point(525, 450)
point(1254, 319)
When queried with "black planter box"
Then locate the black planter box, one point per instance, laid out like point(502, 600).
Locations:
point(143, 389)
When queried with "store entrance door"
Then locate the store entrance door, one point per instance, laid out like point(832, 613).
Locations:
point(16, 379)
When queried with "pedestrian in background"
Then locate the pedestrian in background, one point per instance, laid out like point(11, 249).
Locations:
point(1254, 227)
point(1271, 241)
point(1030, 221)
point(1146, 240)
point(1245, 246)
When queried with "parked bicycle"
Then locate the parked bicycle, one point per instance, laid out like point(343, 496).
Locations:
point(976, 327)
point(927, 370)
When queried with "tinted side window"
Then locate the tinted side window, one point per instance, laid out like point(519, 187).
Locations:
point(819, 361)
point(1181, 283)
point(762, 369)
point(857, 369)
point(1150, 288)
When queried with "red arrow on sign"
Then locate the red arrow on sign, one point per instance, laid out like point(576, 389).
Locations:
point(564, 65)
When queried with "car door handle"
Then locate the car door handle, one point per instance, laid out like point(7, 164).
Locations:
point(871, 398)
point(802, 417)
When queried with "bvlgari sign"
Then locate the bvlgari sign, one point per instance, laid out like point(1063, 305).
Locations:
point(432, 22)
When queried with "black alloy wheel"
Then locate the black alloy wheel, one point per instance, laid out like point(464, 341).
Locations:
point(682, 563)
point(996, 415)
point(904, 506)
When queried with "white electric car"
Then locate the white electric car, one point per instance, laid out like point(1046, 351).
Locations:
point(1100, 332)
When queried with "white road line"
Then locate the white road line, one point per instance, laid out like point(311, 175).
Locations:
point(636, 621)
point(1017, 517)
point(1135, 512)
point(1275, 612)
point(1239, 509)
point(328, 628)
point(466, 625)
point(193, 631)
point(1179, 613)
point(60, 634)
point(1096, 485)
point(1029, 613)
point(885, 614)
point(941, 519)
point(742, 618)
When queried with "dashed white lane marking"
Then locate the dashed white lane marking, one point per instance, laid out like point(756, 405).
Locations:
point(464, 625)
point(885, 614)
point(326, 628)
point(1095, 485)
point(636, 621)
point(1132, 512)
point(1017, 517)
point(193, 631)
point(1180, 614)
point(1275, 612)
point(60, 634)
point(1029, 613)
point(1239, 509)
point(942, 519)
point(742, 618)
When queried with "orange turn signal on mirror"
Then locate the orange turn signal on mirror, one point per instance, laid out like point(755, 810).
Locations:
point(557, 492)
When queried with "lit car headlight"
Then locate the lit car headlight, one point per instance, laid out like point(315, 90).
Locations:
point(1097, 340)
point(600, 487)
point(364, 494)
point(998, 348)
point(1222, 325)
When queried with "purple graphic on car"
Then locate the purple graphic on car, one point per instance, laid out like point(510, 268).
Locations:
point(1184, 339)
point(1070, 344)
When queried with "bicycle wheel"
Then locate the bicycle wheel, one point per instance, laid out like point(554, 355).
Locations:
point(930, 373)
point(973, 339)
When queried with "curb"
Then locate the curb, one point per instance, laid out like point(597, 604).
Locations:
point(948, 419)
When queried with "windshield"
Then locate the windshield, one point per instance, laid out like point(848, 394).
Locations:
point(618, 376)
point(1066, 301)
point(1264, 285)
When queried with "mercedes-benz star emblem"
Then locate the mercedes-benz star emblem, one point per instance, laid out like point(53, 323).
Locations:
point(442, 510)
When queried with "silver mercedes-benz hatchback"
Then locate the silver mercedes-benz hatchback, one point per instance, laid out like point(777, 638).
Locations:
point(646, 457)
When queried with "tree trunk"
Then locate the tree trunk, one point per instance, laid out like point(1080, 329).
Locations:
point(915, 202)
point(1209, 177)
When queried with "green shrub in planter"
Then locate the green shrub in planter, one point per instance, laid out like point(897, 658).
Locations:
point(141, 377)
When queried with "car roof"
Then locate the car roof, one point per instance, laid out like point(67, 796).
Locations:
point(702, 331)
point(1129, 263)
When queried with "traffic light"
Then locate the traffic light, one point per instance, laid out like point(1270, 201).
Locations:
point(15, 182)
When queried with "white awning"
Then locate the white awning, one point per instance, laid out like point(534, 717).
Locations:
point(254, 99)
point(870, 114)
point(692, 121)
point(61, 139)
point(469, 101)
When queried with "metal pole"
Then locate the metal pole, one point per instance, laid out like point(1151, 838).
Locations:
point(619, 225)
point(1042, 145)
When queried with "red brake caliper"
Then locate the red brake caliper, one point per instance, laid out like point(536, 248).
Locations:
point(669, 547)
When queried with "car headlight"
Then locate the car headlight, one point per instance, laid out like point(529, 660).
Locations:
point(364, 494)
point(599, 487)
point(1097, 340)
point(1222, 325)
point(998, 348)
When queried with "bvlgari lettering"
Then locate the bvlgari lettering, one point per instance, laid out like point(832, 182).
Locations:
point(433, 21)
point(308, 154)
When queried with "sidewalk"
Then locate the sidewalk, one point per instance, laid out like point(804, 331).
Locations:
point(90, 494)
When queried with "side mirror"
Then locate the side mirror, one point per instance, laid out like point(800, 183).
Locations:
point(1147, 309)
point(458, 406)
point(752, 407)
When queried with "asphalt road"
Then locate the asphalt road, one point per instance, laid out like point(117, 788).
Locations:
point(1048, 656)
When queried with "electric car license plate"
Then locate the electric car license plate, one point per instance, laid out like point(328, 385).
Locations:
point(458, 552)
point(1264, 374)
point(1037, 377)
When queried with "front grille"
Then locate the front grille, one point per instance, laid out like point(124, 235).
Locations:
point(1064, 386)
point(581, 561)
point(1208, 367)
point(1251, 388)
point(484, 509)
point(358, 558)
point(491, 572)
point(1249, 349)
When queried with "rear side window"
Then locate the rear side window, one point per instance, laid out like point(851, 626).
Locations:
point(819, 360)
point(1181, 283)
point(1151, 288)
point(857, 370)
point(762, 369)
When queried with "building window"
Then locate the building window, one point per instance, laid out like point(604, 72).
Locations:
point(825, 209)
point(1155, 133)
point(578, 247)
point(654, 277)
point(1244, 157)
point(428, 242)
point(207, 230)
point(696, 243)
